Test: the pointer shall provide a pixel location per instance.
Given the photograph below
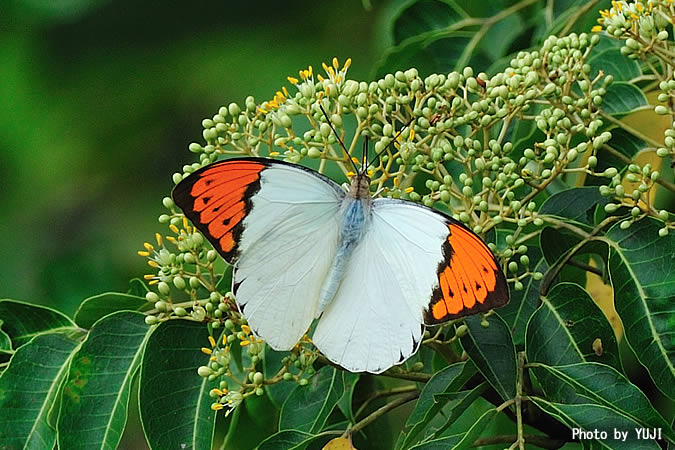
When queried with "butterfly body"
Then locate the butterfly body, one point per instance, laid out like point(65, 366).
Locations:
point(355, 213)
point(374, 271)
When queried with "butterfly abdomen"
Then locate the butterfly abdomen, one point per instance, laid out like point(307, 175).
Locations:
point(356, 213)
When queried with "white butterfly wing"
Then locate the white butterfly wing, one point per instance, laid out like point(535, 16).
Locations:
point(288, 243)
point(376, 318)
point(278, 224)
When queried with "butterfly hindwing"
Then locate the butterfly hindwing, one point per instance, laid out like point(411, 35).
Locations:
point(396, 277)
point(284, 227)
point(376, 318)
point(469, 278)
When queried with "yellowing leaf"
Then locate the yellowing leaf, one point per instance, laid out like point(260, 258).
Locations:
point(340, 443)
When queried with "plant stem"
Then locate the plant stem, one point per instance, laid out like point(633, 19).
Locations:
point(519, 394)
point(420, 377)
point(573, 19)
point(537, 440)
point(666, 184)
point(381, 411)
point(555, 270)
point(586, 267)
point(631, 130)
point(387, 393)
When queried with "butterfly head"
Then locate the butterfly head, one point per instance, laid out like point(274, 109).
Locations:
point(360, 186)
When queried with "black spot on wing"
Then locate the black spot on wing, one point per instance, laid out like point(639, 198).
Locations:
point(235, 286)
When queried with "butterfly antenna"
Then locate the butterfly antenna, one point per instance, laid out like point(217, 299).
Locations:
point(330, 124)
point(392, 142)
point(364, 154)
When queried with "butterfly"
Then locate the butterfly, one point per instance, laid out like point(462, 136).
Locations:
point(374, 271)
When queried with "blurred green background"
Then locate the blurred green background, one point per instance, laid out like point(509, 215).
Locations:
point(99, 101)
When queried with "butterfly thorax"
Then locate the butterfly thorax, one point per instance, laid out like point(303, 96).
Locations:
point(355, 219)
point(360, 186)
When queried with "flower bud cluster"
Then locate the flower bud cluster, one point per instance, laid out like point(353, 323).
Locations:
point(183, 283)
point(645, 28)
point(638, 22)
point(669, 144)
point(480, 148)
point(220, 366)
point(450, 141)
point(636, 199)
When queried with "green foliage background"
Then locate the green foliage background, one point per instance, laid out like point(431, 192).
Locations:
point(101, 100)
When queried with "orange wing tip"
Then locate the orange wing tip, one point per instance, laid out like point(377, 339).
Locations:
point(439, 311)
point(216, 199)
point(469, 279)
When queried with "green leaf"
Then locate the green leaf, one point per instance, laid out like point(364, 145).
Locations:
point(555, 16)
point(601, 418)
point(96, 392)
point(225, 282)
point(623, 98)
point(493, 352)
point(525, 302)
point(98, 306)
point(440, 36)
point(432, 19)
point(627, 144)
point(576, 204)
point(606, 42)
point(563, 329)
point(612, 62)
point(28, 389)
point(137, 287)
point(5, 340)
point(277, 392)
point(22, 321)
point(456, 403)
point(439, 444)
point(308, 407)
point(524, 133)
point(602, 385)
point(474, 432)
point(349, 381)
point(641, 266)
point(624, 143)
point(232, 427)
point(450, 379)
point(423, 16)
point(557, 242)
point(287, 440)
point(172, 396)
point(426, 55)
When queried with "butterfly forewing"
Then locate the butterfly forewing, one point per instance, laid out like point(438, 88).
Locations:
point(283, 243)
point(217, 198)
